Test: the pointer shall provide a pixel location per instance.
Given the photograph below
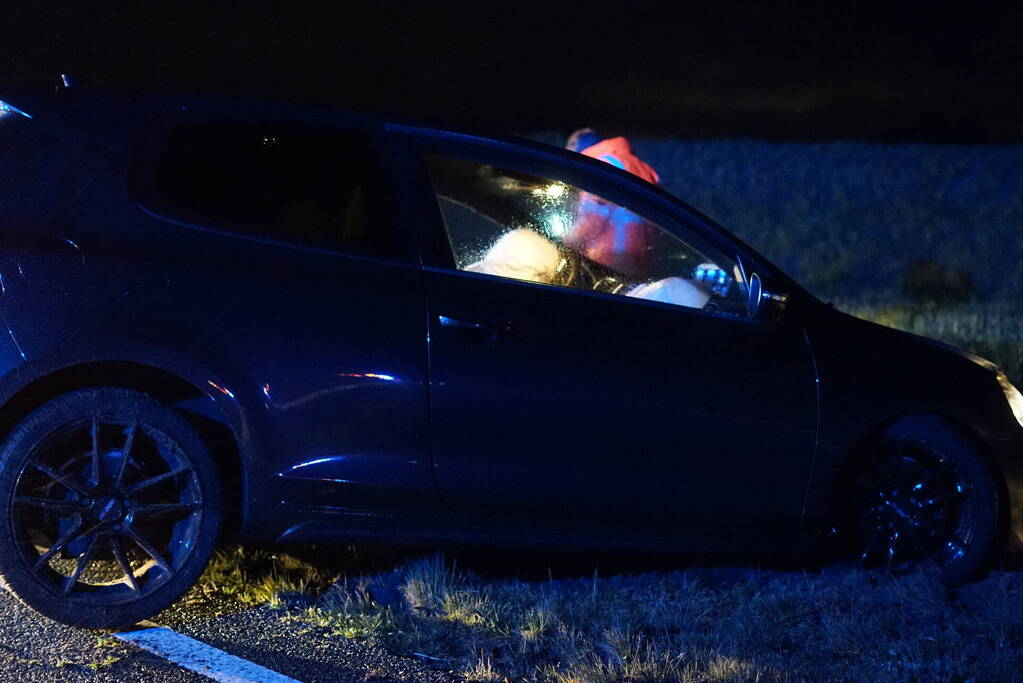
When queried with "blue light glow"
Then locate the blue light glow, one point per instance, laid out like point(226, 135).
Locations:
point(7, 109)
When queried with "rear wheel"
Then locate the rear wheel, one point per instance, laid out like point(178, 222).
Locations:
point(925, 496)
point(109, 508)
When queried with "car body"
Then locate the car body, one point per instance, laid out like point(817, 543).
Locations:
point(377, 391)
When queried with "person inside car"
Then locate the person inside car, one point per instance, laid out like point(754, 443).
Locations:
point(606, 242)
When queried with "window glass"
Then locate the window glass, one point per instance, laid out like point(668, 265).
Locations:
point(303, 185)
point(515, 225)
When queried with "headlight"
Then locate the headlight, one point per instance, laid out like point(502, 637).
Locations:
point(1013, 396)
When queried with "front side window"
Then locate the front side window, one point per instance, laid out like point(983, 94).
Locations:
point(307, 186)
point(521, 226)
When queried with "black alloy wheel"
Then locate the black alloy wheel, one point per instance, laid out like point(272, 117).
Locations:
point(109, 508)
point(925, 496)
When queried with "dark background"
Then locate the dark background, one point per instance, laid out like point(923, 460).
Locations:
point(766, 70)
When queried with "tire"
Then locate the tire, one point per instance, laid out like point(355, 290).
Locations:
point(924, 496)
point(92, 538)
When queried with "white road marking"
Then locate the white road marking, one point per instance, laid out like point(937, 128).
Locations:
point(201, 658)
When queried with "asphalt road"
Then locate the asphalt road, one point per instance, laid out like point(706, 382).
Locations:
point(33, 648)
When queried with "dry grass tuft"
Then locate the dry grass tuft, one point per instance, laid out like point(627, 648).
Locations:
point(255, 576)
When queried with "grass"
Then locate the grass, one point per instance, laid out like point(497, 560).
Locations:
point(238, 577)
point(258, 576)
point(698, 624)
point(846, 218)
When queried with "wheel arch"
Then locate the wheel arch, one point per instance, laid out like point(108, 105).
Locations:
point(861, 445)
point(202, 412)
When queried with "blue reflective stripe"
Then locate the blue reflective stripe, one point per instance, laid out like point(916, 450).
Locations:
point(613, 160)
point(620, 220)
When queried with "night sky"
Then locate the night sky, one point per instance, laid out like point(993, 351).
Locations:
point(734, 70)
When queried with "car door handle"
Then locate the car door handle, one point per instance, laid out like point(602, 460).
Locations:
point(489, 326)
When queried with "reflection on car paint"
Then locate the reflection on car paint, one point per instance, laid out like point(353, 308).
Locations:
point(370, 375)
point(351, 468)
point(225, 392)
point(377, 379)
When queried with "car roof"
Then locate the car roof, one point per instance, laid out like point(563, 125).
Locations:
point(36, 101)
point(149, 105)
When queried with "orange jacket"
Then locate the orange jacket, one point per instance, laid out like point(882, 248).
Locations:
point(618, 152)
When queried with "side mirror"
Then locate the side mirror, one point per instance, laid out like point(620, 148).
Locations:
point(757, 296)
point(756, 290)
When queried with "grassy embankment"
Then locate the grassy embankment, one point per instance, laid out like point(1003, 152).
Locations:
point(923, 238)
point(697, 624)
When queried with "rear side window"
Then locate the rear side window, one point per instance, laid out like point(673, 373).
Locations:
point(309, 186)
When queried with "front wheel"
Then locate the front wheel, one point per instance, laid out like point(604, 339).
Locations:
point(924, 496)
point(109, 508)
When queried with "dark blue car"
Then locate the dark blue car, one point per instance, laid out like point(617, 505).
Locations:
point(289, 324)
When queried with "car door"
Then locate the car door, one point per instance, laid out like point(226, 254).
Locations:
point(583, 398)
point(286, 271)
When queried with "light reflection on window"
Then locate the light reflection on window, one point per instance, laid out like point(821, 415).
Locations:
point(515, 225)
